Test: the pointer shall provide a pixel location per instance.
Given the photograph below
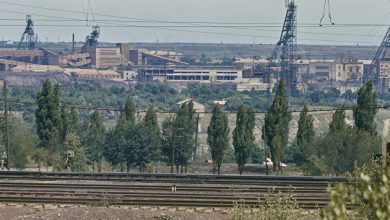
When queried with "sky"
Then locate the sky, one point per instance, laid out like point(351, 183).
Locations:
point(117, 19)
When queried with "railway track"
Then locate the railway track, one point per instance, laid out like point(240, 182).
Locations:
point(158, 189)
point(192, 178)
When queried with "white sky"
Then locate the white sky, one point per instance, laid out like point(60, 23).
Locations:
point(261, 11)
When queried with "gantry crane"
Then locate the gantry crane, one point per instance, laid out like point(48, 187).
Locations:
point(29, 39)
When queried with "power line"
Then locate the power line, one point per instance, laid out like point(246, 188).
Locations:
point(110, 109)
point(271, 24)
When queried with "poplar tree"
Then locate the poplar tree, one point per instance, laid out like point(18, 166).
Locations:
point(366, 109)
point(185, 132)
point(143, 147)
point(276, 126)
point(243, 138)
point(169, 141)
point(153, 133)
point(218, 137)
point(111, 148)
point(47, 117)
point(305, 137)
point(72, 143)
point(130, 111)
point(95, 140)
point(73, 121)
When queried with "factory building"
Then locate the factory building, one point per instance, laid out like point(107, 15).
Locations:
point(190, 74)
point(94, 74)
point(348, 71)
point(104, 57)
point(139, 57)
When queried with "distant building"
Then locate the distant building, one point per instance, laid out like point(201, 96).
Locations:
point(130, 75)
point(321, 70)
point(348, 71)
point(189, 74)
point(249, 63)
point(199, 108)
point(155, 57)
point(104, 57)
point(384, 68)
point(95, 74)
point(220, 102)
point(36, 68)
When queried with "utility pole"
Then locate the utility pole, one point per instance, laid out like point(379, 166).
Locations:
point(173, 147)
point(265, 150)
point(6, 124)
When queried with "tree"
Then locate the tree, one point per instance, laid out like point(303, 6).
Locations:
point(153, 133)
point(276, 126)
point(48, 120)
point(367, 194)
point(142, 149)
point(64, 123)
point(130, 110)
point(22, 141)
point(343, 146)
point(305, 138)
point(169, 141)
point(112, 148)
point(73, 121)
point(218, 137)
point(95, 139)
point(44, 117)
point(243, 138)
point(74, 153)
point(184, 126)
point(366, 109)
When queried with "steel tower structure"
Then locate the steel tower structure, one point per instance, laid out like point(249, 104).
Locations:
point(92, 39)
point(288, 46)
point(382, 54)
point(28, 40)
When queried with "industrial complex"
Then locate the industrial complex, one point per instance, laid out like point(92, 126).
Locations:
point(122, 62)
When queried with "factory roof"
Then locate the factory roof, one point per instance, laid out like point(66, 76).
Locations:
point(37, 68)
point(84, 72)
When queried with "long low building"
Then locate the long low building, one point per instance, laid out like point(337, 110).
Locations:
point(95, 74)
point(189, 74)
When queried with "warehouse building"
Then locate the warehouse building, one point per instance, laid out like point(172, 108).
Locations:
point(190, 74)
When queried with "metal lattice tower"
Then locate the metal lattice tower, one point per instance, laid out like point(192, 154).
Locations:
point(28, 40)
point(382, 54)
point(92, 39)
point(288, 45)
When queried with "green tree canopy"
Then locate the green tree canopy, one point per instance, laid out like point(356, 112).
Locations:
point(243, 138)
point(305, 137)
point(95, 139)
point(276, 126)
point(185, 132)
point(366, 109)
point(218, 137)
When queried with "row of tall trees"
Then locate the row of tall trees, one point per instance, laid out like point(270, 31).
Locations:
point(137, 142)
point(133, 142)
point(337, 151)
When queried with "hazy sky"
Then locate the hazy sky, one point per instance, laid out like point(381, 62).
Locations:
point(246, 11)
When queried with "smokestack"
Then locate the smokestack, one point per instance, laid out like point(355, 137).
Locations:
point(73, 43)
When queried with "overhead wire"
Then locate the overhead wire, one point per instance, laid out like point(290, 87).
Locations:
point(326, 10)
point(111, 109)
point(186, 24)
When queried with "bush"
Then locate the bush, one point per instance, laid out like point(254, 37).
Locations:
point(369, 193)
point(273, 206)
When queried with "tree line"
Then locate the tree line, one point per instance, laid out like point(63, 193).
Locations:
point(66, 142)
